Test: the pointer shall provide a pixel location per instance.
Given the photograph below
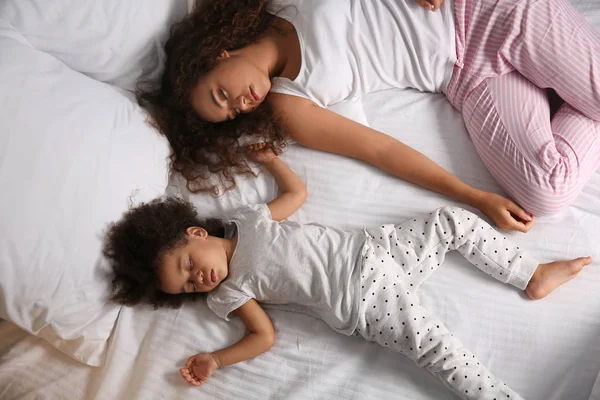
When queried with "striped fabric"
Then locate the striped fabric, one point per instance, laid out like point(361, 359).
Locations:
point(508, 53)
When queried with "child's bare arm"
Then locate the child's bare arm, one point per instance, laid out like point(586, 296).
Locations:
point(260, 338)
point(293, 191)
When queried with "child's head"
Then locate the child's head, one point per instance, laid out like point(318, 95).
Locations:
point(162, 253)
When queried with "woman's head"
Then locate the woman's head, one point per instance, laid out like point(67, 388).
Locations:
point(138, 245)
point(236, 85)
point(205, 82)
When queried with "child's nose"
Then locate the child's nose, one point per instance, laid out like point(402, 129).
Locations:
point(199, 276)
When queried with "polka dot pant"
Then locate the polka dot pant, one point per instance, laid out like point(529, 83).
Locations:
point(398, 258)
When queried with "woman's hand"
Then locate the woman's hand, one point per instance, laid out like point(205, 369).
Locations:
point(432, 5)
point(199, 368)
point(505, 213)
point(261, 153)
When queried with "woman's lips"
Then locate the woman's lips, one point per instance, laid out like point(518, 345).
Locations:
point(213, 276)
point(255, 97)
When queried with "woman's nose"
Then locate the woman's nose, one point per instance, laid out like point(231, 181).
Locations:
point(243, 103)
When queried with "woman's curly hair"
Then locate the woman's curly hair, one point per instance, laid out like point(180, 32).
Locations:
point(203, 151)
point(136, 243)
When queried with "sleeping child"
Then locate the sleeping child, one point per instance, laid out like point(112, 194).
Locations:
point(360, 283)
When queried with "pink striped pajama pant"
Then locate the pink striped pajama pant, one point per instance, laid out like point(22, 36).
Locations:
point(508, 52)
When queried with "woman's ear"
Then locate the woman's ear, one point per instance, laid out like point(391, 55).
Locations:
point(225, 54)
point(197, 232)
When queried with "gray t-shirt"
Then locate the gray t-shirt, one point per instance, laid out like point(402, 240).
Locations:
point(306, 268)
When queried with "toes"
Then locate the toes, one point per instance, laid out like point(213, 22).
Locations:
point(587, 260)
point(578, 263)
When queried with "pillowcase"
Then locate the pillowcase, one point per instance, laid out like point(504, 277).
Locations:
point(114, 41)
point(73, 153)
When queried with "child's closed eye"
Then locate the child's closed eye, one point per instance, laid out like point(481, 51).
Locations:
point(191, 267)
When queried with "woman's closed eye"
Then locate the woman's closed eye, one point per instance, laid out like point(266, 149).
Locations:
point(225, 98)
point(223, 95)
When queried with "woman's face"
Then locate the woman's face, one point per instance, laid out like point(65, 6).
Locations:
point(234, 86)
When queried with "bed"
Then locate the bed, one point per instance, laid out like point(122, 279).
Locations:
point(546, 350)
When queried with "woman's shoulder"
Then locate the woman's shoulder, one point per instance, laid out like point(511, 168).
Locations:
point(284, 100)
point(288, 107)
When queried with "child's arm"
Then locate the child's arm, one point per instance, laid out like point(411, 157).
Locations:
point(260, 338)
point(293, 191)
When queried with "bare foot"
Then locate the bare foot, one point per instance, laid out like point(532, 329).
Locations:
point(548, 277)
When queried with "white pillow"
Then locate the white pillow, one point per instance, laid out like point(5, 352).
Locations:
point(114, 41)
point(72, 152)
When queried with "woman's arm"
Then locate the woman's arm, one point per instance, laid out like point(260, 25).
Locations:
point(293, 191)
point(321, 129)
point(260, 338)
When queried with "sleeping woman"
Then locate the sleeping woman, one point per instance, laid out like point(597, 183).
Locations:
point(269, 69)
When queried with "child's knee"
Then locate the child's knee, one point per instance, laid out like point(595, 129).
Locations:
point(446, 211)
point(450, 212)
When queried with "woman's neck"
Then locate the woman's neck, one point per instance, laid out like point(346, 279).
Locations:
point(289, 48)
point(278, 53)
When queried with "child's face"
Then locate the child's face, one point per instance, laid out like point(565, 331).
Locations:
point(197, 266)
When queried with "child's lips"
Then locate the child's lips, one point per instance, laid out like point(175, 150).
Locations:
point(213, 276)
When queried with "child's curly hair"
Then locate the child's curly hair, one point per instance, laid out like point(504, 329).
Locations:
point(136, 243)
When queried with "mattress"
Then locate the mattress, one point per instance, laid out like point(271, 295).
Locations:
point(546, 350)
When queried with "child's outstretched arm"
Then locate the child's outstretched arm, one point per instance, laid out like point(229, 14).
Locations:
point(260, 338)
point(293, 191)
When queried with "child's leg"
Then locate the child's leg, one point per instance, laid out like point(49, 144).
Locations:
point(542, 164)
point(391, 316)
point(419, 246)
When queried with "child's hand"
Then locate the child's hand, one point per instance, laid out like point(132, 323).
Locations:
point(199, 368)
point(261, 153)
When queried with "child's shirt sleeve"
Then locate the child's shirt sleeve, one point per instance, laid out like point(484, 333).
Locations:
point(223, 301)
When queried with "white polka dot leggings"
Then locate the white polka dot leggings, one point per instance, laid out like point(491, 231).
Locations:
point(398, 258)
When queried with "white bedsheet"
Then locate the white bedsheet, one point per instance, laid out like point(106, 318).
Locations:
point(546, 350)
